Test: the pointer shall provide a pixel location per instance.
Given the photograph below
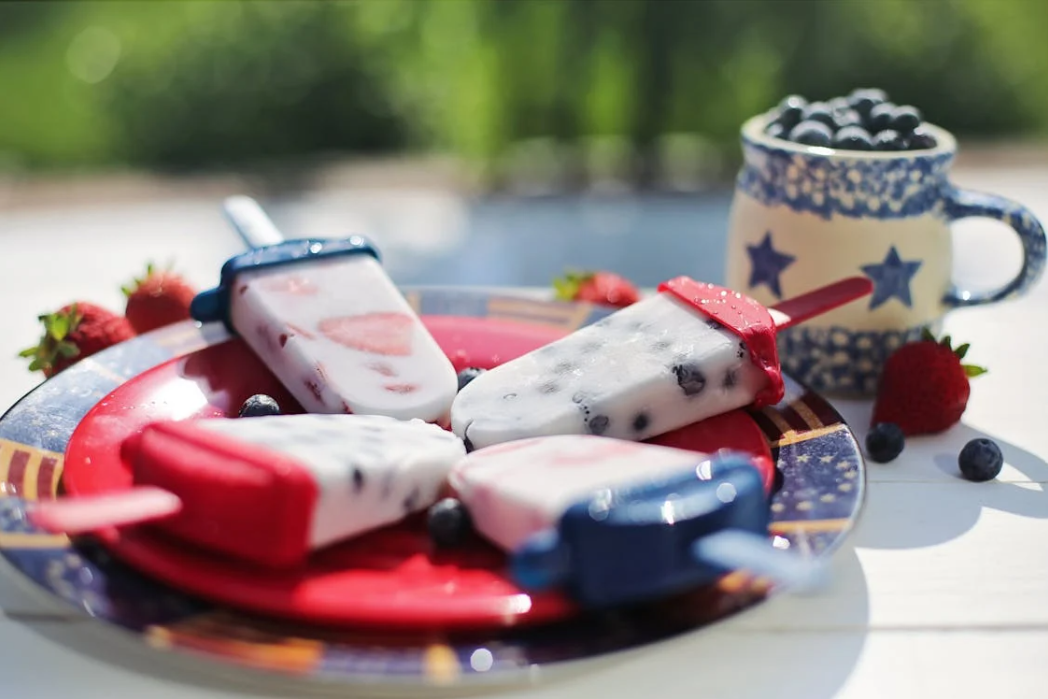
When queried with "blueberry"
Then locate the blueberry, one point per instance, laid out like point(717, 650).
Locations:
point(889, 140)
point(467, 375)
point(853, 138)
point(880, 117)
point(864, 100)
point(980, 460)
point(775, 130)
point(789, 116)
point(448, 522)
point(884, 442)
point(905, 119)
point(792, 101)
point(838, 104)
point(921, 139)
point(844, 118)
point(818, 111)
point(812, 133)
point(259, 405)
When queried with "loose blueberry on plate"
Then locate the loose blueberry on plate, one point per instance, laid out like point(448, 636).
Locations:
point(921, 139)
point(880, 117)
point(853, 138)
point(980, 460)
point(467, 375)
point(905, 119)
point(889, 140)
point(259, 405)
point(884, 442)
point(812, 133)
point(448, 522)
point(818, 111)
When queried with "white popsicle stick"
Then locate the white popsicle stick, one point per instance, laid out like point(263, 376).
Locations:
point(79, 515)
point(251, 222)
point(735, 549)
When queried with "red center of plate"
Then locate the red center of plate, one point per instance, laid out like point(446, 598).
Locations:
point(391, 578)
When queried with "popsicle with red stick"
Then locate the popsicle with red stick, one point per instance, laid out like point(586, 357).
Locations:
point(269, 490)
point(691, 351)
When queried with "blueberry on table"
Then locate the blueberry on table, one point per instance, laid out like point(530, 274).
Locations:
point(889, 140)
point(980, 460)
point(259, 405)
point(921, 139)
point(812, 133)
point(818, 111)
point(885, 442)
point(467, 375)
point(448, 522)
point(880, 117)
point(853, 138)
point(905, 119)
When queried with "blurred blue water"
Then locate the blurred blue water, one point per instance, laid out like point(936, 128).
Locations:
point(529, 241)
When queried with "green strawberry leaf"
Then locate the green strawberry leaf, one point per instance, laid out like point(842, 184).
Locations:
point(29, 352)
point(972, 371)
point(67, 349)
point(926, 334)
point(36, 365)
point(946, 342)
point(57, 326)
point(963, 350)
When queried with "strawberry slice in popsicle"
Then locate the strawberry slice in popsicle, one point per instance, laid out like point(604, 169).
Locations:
point(269, 490)
point(689, 352)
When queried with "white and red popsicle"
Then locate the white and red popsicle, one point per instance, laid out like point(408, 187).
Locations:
point(691, 351)
point(326, 319)
point(270, 490)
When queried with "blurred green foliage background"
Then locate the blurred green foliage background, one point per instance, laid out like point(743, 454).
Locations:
point(218, 84)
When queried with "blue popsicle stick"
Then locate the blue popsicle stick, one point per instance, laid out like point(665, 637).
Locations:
point(735, 549)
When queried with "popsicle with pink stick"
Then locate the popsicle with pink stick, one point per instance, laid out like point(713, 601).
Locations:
point(688, 352)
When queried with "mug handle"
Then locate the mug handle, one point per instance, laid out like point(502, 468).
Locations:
point(965, 203)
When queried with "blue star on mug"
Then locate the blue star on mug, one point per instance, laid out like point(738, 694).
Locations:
point(767, 264)
point(891, 279)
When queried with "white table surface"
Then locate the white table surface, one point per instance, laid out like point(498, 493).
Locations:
point(940, 591)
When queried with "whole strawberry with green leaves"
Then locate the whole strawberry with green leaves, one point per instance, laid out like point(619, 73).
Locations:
point(74, 332)
point(924, 387)
point(160, 298)
point(605, 288)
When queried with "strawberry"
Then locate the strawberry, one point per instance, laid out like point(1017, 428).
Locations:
point(375, 333)
point(73, 332)
point(605, 288)
point(160, 298)
point(924, 386)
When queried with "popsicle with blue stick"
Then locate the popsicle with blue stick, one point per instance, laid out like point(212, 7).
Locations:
point(327, 320)
point(614, 521)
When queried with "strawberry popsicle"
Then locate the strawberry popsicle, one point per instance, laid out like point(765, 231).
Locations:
point(270, 490)
point(617, 521)
point(689, 352)
point(329, 323)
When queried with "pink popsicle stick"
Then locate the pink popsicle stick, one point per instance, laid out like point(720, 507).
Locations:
point(85, 514)
point(818, 301)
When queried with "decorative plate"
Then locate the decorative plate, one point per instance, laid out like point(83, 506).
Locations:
point(819, 493)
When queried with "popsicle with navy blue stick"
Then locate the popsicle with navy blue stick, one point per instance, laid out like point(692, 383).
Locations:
point(326, 319)
point(613, 522)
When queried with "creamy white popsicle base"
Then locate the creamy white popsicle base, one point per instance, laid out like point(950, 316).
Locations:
point(517, 489)
point(647, 369)
point(341, 338)
point(368, 470)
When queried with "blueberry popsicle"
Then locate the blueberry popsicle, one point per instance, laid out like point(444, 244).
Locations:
point(691, 351)
point(617, 521)
point(329, 323)
point(270, 490)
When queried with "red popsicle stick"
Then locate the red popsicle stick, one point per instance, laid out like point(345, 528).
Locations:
point(86, 514)
point(818, 301)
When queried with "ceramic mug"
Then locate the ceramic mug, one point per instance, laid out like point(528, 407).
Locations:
point(805, 216)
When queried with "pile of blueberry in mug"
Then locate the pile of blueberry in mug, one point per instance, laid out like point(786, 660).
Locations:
point(864, 120)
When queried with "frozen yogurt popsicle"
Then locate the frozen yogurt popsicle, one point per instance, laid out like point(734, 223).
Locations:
point(270, 490)
point(616, 521)
point(689, 352)
point(329, 323)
